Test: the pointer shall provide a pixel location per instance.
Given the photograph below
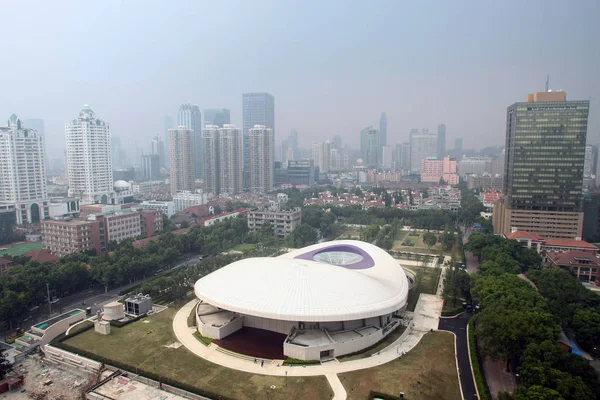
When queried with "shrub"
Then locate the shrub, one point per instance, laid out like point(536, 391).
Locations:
point(295, 361)
point(203, 339)
point(482, 387)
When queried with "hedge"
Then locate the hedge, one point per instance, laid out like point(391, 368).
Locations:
point(482, 387)
point(139, 371)
point(203, 339)
point(295, 361)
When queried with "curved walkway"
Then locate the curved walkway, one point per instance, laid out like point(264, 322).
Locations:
point(421, 324)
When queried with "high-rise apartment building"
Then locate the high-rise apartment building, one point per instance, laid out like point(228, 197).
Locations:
point(441, 141)
point(217, 116)
point(210, 146)
point(89, 158)
point(261, 159)
point(339, 160)
point(402, 157)
point(151, 167)
point(321, 153)
point(383, 129)
point(543, 171)
point(230, 159)
point(257, 109)
point(158, 148)
point(182, 165)
point(189, 117)
point(422, 146)
point(458, 145)
point(23, 172)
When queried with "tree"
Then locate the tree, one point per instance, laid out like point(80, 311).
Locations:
point(430, 239)
point(5, 366)
point(303, 235)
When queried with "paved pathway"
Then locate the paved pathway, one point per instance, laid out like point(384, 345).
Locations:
point(336, 386)
point(458, 326)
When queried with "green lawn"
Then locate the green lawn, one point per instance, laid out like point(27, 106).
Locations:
point(427, 372)
point(244, 247)
point(389, 339)
point(406, 242)
point(20, 249)
point(143, 344)
point(427, 280)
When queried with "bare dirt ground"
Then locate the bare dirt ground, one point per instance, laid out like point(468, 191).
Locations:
point(43, 382)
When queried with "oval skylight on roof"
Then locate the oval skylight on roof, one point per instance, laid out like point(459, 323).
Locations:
point(338, 257)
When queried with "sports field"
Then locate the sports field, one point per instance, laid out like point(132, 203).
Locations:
point(20, 249)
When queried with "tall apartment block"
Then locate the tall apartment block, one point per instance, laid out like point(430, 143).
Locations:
point(210, 146)
point(189, 116)
point(544, 165)
point(89, 159)
point(231, 159)
point(261, 160)
point(181, 157)
point(423, 145)
point(23, 172)
point(321, 154)
point(257, 109)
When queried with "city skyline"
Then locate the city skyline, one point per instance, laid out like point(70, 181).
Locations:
point(452, 72)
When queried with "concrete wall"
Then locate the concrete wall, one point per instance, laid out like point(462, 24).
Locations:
point(269, 324)
point(60, 327)
point(62, 357)
point(220, 332)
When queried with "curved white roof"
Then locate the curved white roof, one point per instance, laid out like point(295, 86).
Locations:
point(294, 287)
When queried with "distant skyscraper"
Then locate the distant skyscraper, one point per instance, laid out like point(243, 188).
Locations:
point(115, 151)
point(210, 146)
point(320, 154)
point(151, 167)
point(543, 171)
point(337, 142)
point(441, 141)
point(89, 159)
point(422, 145)
point(168, 124)
point(257, 109)
point(589, 167)
point(23, 177)
point(182, 165)
point(373, 149)
point(402, 157)
point(458, 145)
point(230, 159)
point(293, 140)
point(383, 130)
point(218, 117)
point(261, 160)
point(158, 148)
point(189, 116)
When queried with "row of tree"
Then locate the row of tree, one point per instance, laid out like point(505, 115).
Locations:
point(517, 325)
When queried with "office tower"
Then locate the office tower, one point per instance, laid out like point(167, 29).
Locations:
point(230, 159)
point(422, 146)
point(217, 116)
point(151, 167)
point(257, 109)
point(386, 157)
point(115, 151)
point(89, 158)
point(458, 145)
point(302, 172)
point(589, 166)
point(189, 117)
point(210, 146)
point(23, 178)
point(543, 171)
point(339, 160)
point(320, 153)
point(261, 159)
point(441, 141)
point(402, 157)
point(337, 142)
point(383, 129)
point(182, 165)
point(370, 147)
point(158, 148)
point(293, 140)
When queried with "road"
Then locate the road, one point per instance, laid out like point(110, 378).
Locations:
point(94, 298)
point(458, 325)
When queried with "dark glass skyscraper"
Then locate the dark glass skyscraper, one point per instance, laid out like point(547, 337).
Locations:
point(257, 109)
point(218, 117)
point(543, 171)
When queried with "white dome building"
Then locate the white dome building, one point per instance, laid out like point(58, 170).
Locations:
point(328, 299)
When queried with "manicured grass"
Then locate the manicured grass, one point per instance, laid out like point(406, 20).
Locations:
point(20, 249)
point(142, 345)
point(426, 372)
point(427, 280)
point(206, 341)
point(244, 247)
point(405, 237)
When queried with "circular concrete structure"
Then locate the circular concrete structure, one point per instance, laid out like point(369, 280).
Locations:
point(328, 299)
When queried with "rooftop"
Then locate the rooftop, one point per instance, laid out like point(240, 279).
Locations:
point(569, 243)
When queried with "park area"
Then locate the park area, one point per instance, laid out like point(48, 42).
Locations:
point(20, 249)
point(150, 345)
point(412, 241)
point(426, 372)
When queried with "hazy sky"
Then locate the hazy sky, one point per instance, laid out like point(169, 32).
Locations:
point(333, 66)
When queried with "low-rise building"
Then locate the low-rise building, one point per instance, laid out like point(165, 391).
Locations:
point(64, 237)
point(284, 221)
point(186, 199)
point(434, 170)
point(581, 264)
point(166, 207)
